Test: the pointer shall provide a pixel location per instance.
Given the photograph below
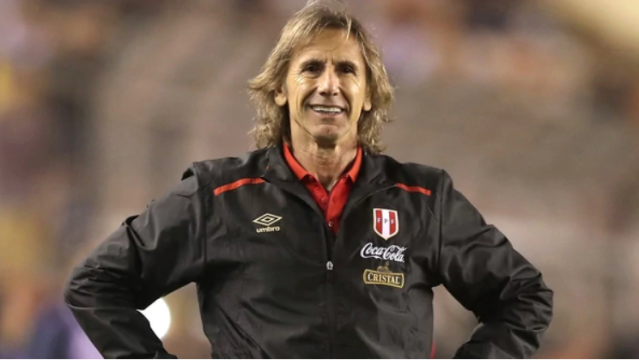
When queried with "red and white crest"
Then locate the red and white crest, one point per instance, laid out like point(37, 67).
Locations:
point(385, 222)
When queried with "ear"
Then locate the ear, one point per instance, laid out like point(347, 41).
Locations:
point(280, 96)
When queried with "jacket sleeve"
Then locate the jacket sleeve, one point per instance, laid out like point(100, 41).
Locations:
point(480, 268)
point(149, 256)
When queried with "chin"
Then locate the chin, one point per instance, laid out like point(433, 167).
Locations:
point(326, 140)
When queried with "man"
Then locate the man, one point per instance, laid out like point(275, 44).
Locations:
point(315, 245)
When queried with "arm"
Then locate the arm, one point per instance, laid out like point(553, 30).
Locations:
point(480, 268)
point(149, 256)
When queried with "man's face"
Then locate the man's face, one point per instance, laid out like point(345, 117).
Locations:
point(326, 89)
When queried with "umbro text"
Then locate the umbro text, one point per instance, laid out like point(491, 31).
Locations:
point(268, 229)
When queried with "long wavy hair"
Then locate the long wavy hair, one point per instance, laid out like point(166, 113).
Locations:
point(273, 123)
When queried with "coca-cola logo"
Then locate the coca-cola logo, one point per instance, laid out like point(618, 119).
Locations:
point(391, 253)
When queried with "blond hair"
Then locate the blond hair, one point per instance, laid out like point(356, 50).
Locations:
point(273, 123)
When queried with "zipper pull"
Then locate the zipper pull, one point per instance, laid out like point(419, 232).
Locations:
point(329, 274)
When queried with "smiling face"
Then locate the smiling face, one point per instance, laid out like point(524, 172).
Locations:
point(326, 90)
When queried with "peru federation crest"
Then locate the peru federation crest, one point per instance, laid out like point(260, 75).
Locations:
point(385, 223)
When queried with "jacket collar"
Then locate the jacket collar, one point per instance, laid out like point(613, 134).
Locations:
point(278, 171)
point(370, 179)
point(301, 173)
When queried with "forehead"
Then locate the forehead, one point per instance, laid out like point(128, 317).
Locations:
point(330, 44)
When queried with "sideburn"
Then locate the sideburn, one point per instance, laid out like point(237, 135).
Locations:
point(285, 126)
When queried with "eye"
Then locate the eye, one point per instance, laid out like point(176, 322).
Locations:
point(348, 70)
point(312, 68)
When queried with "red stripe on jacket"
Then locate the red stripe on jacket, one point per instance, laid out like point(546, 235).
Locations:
point(413, 188)
point(236, 184)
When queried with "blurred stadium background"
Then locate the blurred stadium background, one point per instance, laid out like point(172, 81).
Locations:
point(532, 106)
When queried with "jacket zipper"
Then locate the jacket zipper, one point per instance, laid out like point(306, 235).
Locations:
point(330, 275)
point(331, 309)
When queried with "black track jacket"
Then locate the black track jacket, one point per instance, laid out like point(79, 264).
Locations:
point(273, 280)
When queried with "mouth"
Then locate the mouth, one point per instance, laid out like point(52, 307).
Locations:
point(327, 110)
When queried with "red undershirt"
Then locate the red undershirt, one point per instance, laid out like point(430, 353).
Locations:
point(332, 204)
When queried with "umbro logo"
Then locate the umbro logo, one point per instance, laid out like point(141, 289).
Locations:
point(267, 220)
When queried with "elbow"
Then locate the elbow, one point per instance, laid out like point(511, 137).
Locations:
point(532, 301)
point(90, 287)
point(545, 303)
point(86, 287)
point(73, 288)
point(536, 300)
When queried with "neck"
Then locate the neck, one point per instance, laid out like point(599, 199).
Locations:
point(326, 164)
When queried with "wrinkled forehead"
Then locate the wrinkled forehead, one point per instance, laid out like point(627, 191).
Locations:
point(337, 34)
point(329, 43)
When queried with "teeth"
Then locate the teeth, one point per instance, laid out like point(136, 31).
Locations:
point(327, 109)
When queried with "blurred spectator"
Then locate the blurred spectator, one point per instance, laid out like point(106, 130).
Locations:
point(490, 15)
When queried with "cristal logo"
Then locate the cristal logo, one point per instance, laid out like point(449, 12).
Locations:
point(392, 252)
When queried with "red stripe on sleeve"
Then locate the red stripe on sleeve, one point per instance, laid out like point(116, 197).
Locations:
point(236, 184)
point(413, 188)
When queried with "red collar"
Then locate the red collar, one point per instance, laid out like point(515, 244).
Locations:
point(301, 173)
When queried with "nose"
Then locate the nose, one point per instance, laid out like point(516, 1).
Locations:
point(329, 83)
